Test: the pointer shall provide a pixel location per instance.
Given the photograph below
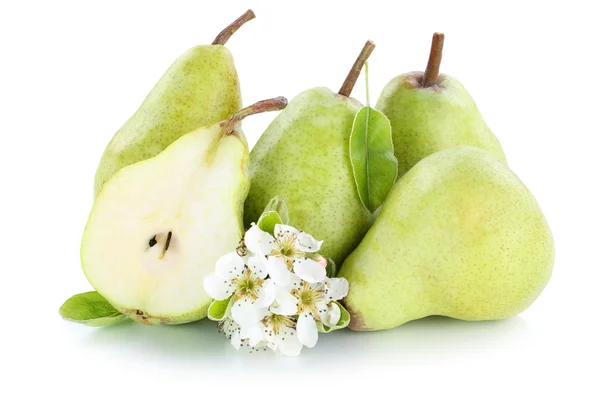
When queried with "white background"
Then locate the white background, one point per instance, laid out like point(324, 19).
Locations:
point(72, 72)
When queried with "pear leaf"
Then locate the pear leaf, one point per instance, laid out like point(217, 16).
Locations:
point(268, 220)
point(218, 309)
point(90, 309)
point(280, 207)
point(372, 156)
point(331, 268)
point(342, 323)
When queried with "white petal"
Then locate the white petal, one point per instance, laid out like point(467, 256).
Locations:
point(236, 340)
point(337, 288)
point(309, 270)
point(278, 271)
point(258, 241)
point(333, 315)
point(255, 334)
point(307, 243)
point(285, 303)
point(266, 294)
point(217, 287)
point(307, 330)
point(288, 343)
point(258, 265)
point(284, 230)
point(247, 313)
point(230, 265)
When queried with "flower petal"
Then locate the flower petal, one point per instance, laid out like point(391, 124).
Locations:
point(283, 230)
point(258, 241)
point(337, 288)
point(309, 270)
point(247, 313)
point(236, 340)
point(217, 287)
point(230, 265)
point(333, 314)
point(307, 330)
point(285, 303)
point(278, 271)
point(307, 243)
point(258, 265)
point(255, 334)
point(266, 294)
point(288, 343)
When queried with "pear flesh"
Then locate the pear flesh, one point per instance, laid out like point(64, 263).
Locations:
point(303, 157)
point(459, 235)
point(158, 226)
point(199, 89)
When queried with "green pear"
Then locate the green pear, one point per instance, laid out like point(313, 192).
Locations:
point(459, 235)
point(303, 157)
point(200, 88)
point(431, 112)
point(158, 226)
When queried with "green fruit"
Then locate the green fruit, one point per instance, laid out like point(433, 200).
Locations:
point(200, 88)
point(158, 226)
point(431, 112)
point(303, 157)
point(459, 235)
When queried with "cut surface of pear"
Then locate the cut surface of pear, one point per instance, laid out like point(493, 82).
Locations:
point(158, 227)
point(431, 112)
point(459, 235)
point(199, 89)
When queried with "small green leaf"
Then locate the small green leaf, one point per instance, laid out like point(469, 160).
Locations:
point(268, 220)
point(342, 323)
point(90, 309)
point(218, 309)
point(331, 268)
point(280, 207)
point(372, 156)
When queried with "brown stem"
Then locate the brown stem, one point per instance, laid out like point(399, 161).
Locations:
point(435, 59)
point(226, 33)
point(274, 104)
point(354, 73)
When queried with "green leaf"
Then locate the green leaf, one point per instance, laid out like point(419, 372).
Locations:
point(280, 207)
point(90, 309)
point(268, 220)
point(218, 309)
point(342, 323)
point(372, 156)
point(331, 268)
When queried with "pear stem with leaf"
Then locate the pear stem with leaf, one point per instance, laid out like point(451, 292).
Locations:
point(274, 104)
point(354, 73)
point(435, 59)
point(226, 33)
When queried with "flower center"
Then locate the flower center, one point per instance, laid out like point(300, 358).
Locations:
point(247, 285)
point(285, 247)
point(307, 299)
point(276, 323)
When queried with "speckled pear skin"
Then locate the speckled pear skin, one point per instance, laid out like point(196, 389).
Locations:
point(303, 157)
point(199, 89)
point(428, 119)
point(459, 235)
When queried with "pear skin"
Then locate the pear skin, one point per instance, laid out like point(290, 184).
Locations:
point(199, 89)
point(460, 236)
point(431, 112)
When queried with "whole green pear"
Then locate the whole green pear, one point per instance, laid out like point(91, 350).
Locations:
point(431, 112)
point(200, 88)
point(459, 235)
point(303, 157)
point(159, 226)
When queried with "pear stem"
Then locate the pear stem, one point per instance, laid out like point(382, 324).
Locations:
point(226, 33)
point(354, 73)
point(435, 59)
point(274, 104)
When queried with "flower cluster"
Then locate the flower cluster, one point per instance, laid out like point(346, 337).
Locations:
point(277, 292)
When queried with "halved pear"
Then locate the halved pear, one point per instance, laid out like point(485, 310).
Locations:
point(158, 226)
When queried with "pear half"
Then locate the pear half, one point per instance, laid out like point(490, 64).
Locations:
point(158, 226)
